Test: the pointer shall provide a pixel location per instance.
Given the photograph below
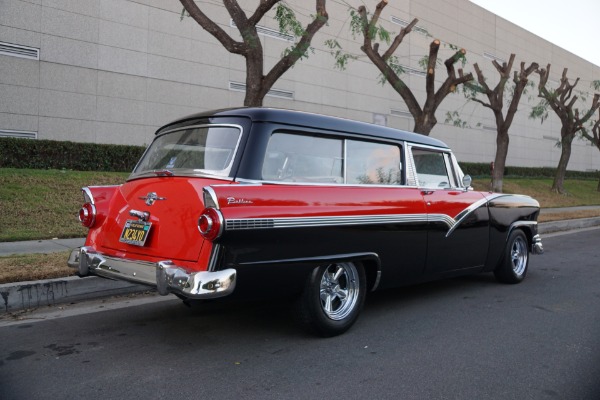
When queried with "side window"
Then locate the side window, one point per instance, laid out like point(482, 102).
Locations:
point(302, 158)
point(373, 163)
point(431, 168)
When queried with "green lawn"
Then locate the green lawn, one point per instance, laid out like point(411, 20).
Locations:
point(43, 204)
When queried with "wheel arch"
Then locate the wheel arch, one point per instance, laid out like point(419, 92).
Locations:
point(529, 228)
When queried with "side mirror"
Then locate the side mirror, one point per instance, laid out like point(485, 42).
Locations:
point(466, 181)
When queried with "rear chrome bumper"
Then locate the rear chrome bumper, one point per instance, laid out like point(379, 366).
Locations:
point(164, 275)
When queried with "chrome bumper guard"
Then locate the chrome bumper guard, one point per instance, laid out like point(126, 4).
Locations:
point(536, 245)
point(164, 275)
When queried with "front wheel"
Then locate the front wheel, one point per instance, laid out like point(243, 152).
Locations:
point(513, 267)
point(332, 299)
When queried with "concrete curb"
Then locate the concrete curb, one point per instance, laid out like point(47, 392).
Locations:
point(568, 225)
point(48, 292)
point(34, 294)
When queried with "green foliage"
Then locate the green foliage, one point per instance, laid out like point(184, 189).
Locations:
point(461, 57)
point(288, 23)
point(394, 63)
point(299, 51)
point(455, 119)
point(540, 110)
point(384, 34)
point(472, 89)
point(51, 154)
point(424, 62)
point(358, 25)
point(595, 84)
point(341, 57)
point(184, 14)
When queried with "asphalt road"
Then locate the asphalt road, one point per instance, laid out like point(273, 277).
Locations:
point(468, 338)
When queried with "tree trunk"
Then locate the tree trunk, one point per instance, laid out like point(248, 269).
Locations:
point(565, 155)
point(502, 141)
point(424, 124)
point(254, 79)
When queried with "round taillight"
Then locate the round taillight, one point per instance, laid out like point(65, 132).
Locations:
point(210, 223)
point(87, 215)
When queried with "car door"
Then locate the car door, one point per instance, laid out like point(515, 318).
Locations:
point(458, 219)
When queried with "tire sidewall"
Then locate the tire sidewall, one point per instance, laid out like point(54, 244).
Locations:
point(505, 271)
point(310, 302)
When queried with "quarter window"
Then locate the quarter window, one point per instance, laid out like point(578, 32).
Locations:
point(431, 167)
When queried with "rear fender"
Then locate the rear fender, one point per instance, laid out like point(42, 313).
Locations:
point(100, 197)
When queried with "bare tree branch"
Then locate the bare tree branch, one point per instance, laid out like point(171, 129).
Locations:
point(261, 10)
point(300, 48)
point(398, 39)
point(562, 103)
point(257, 84)
point(495, 102)
point(231, 45)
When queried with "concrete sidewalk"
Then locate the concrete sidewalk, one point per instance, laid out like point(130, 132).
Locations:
point(39, 246)
point(34, 294)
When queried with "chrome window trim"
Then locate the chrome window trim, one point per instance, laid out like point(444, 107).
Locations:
point(457, 171)
point(362, 185)
point(411, 171)
point(191, 172)
point(182, 173)
point(345, 160)
point(450, 172)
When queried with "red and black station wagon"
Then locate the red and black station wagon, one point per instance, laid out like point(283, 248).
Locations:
point(264, 201)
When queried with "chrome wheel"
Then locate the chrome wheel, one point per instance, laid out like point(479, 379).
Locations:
point(332, 298)
point(339, 290)
point(512, 268)
point(519, 255)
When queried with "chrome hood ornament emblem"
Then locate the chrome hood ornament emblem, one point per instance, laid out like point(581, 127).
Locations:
point(151, 197)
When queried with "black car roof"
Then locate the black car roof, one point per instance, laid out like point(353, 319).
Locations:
point(300, 118)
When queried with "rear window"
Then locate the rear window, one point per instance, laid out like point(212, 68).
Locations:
point(197, 149)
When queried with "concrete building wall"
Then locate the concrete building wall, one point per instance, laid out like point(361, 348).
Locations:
point(113, 71)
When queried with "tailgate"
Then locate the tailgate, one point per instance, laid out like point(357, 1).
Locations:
point(172, 206)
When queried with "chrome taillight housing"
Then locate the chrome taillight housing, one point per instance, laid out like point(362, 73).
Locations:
point(210, 223)
point(87, 215)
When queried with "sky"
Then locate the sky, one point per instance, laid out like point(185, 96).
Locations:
point(573, 25)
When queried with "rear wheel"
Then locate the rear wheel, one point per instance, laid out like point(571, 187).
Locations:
point(513, 267)
point(332, 299)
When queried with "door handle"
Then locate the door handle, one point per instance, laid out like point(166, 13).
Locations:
point(426, 192)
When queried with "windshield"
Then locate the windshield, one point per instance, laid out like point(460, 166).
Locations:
point(195, 149)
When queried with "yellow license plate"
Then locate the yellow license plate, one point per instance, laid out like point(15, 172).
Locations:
point(135, 232)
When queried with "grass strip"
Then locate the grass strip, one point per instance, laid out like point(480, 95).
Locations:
point(31, 267)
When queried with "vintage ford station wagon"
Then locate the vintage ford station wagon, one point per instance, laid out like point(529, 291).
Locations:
point(323, 209)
